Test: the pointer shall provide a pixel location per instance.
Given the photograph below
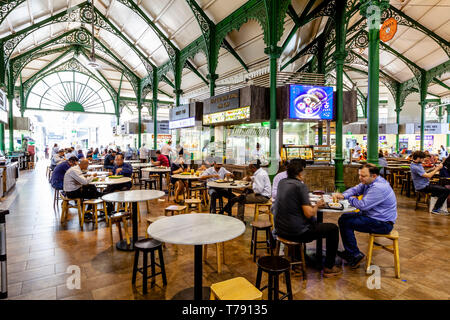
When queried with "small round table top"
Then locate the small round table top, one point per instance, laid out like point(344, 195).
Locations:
point(229, 185)
point(185, 176)
point(132, 161)
point(196, 229)
point(95, 166)
point(99, 173)
point(108, 180)
point(141, 165)
point(133, 195)
point(156, 169)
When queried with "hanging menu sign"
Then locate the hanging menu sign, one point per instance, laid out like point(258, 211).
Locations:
point(222, 102)
point(183, 123)
point(179, 112)
point(226, 116)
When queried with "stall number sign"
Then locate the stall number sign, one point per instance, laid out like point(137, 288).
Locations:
point(426, 137)
point(229, 115)
point(189, 122)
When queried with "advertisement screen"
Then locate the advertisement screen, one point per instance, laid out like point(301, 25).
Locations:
point(310, 102)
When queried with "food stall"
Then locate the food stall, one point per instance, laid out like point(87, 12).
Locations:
point(186, 128)
point(238, 121)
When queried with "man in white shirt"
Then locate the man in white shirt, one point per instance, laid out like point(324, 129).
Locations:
point(76, 184)
point(258, 154)
point(143, 153)
point(262, 191)
point(166, 149)
point(215, 172)
point(57, 159)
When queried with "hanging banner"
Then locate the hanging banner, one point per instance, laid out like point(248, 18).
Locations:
point(388, 29)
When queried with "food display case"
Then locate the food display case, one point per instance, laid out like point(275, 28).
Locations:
point(322, 154)
point(290, 152)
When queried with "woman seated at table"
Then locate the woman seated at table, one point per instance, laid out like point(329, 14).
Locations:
point(177, 167)
point(295, 221)
point(445, 171)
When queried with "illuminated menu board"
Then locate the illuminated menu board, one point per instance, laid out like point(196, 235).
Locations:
point(226, 116)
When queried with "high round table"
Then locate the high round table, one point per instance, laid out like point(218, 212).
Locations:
point(133, 196)
point(159, 171)
point(196, 229)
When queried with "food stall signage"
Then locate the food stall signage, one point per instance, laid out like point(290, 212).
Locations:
point(183, 123)
point(226, 101)
point(226, 116)
point(388, 29)
point(179, 112)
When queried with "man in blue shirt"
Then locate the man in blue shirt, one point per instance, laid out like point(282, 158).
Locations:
point(109, 159)
point(421, 180)
point(123, 169)
point(57, 179)
point(378, 212)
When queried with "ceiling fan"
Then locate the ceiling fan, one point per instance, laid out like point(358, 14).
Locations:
point(92, 63)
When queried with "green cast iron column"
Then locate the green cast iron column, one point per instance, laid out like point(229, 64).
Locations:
point(423, 103)
point(397, 137)
point(139, 99)
point(372, 9)
point(2, 137)
point(339, 57)
point(448, 121)
point(11, 124)
point(155, 110)
point(274, 54)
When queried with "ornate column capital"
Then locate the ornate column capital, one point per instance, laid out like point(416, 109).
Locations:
point(372, 9)
point(178, 91)
point(212, 76)
point(339, 56)
point(273, 51)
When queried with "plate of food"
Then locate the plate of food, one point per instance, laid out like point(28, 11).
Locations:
point(95, 179)
point(334, 206)
point(186, 173)
point(115, 177)
point(220, 181)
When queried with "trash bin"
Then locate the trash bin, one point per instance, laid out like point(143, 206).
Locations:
point(3, 276)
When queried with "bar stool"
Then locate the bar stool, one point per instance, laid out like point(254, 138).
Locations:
point(235, 289)
point(290, 245)
point(274, 266)
point(174, 209)
point(267, 205)
point(151, 183)
point(148, 246)
point(66, 206)
point(260, 226)
point(390, 248)
point(220, 255)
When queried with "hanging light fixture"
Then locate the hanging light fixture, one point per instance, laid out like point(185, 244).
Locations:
point(92, 63)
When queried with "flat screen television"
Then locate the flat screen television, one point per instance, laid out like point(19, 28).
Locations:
point(310, 102)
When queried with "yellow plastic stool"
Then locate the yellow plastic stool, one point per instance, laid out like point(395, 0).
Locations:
point(235, 289)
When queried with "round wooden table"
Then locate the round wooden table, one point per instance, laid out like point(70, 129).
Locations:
point(133, 196)
point(159, 171)
point(196, 229)
point(188, 177)
point(95, 166)
point(108, 180)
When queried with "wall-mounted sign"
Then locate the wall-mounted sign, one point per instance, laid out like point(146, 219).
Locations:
point(388, 29)
point(3, 107)
point(183, 123)
point(226, 116)
point(431, 128)
point(222, 102)
point(310, 102)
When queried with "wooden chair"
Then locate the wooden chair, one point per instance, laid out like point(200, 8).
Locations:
point(66, 206)
point(174, 209)
point(235, 289)
point(290, 245)
point(393, 248)
point(220, 255)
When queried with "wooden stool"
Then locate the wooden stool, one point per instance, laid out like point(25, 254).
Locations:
point(235, 289)
point(220, 254)
point(290, 245)
point(150, 220)
point(274, 266)
point(66, 206)
point(393, 248)
point(116, 218)
point(101, 187)
point(148, 246)
point(192, 202)
point(56, 197)
point(48, 172)
point(267, 205)
point(420, 194)
point(30, 165)
point(260, 226)
point(174, 209)
point(94, 210)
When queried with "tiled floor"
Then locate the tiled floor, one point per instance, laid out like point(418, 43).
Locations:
point(40, 249)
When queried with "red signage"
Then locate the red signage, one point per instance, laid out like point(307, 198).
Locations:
point(388, 29)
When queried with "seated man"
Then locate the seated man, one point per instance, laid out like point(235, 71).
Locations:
point(378, 211)
point(421, 180)
point(262, 191)
point(294, 219)
point(76, 185)
point(123, 169)
point(161, 160)
point(178, 166)
point(57, 159)
point(213, 173)
point(57, 180)
point(109, 160)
